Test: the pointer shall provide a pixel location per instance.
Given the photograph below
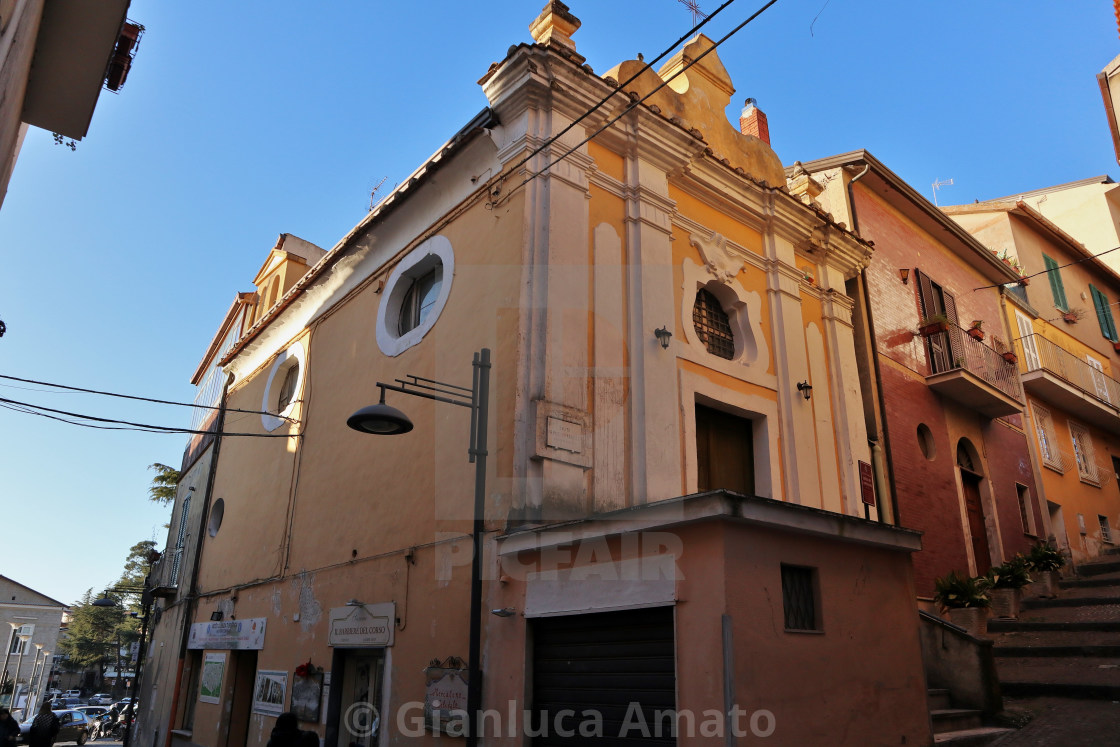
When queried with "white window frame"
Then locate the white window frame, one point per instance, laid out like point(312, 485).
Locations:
point(1047, 439)
point(1026, 509)
point(295, 355)
point(417, 263)
point(1084, 453)
point(1100, 380)
point(1026, 341)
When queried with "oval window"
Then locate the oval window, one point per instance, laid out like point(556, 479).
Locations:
point(217, 513)
point(414, 296)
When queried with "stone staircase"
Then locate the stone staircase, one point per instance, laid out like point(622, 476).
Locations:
point(1068, 646)
point(959, 727)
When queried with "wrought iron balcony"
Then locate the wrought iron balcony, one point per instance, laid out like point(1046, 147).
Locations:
point(968, 371)
point(1052, 373)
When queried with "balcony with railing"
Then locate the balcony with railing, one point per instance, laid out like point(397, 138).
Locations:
point(1052, 373)
point(967, 371)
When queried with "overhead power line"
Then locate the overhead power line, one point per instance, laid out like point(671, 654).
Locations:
point(633, 104)
point(113, 424)
point(1051, 269)
point(141, 399)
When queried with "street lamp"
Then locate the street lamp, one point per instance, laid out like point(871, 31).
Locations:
point(381, 419)
point(7, 657)
point(34, 671)
point(145, 607)
point(43, 672)
point(23, 639)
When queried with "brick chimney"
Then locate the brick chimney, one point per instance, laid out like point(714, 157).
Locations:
point(753, 122)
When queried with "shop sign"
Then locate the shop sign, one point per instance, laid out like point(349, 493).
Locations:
point(445, 695)
point(364, 626)
point(234, 635)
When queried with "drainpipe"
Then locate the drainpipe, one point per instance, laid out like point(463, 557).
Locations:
point(881, 463)
point(192, 592)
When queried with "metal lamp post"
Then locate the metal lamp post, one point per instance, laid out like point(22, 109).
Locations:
point(382, 419)
point(34, 672)
point(7, 657)
point(43, 672)
point(23, 639)
point(145, 608)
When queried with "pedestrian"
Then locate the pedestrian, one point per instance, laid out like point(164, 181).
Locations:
point(9, 728)
point(286, 733)
point(44, 728)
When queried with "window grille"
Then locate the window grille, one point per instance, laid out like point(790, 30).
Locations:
point(712, 325)
point(799, 598)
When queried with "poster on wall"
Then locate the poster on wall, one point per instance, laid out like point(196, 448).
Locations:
point(445, 697)
point(213, 671)
point(269, 692)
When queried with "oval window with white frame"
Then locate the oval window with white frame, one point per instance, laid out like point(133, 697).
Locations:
point(284, 386)
point(414, 295)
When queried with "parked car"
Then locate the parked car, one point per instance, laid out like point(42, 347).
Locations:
point(92, 711)
point(72, 694)
point(75, 727)
point(100, 699)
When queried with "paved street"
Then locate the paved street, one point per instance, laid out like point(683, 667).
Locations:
point(1063, 722)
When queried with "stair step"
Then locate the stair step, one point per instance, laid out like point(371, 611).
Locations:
point(1104, 580)
point(1055, 638)
point(1056, 651)
point(938, 698)
point(1098, 567)
point(1018, 689)
point(955, 719)
point(1084, 601)
point(1036, 626)
point(971, 737)
point(1080, 677)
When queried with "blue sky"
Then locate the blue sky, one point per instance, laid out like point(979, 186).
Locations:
point(242, 120)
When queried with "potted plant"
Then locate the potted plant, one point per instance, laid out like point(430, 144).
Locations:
point(975, 331)
point(1116, 346)
point(1044, 560)
point(966, 599)
point(933, 324)
point(1006, 582)
point(1073, 315)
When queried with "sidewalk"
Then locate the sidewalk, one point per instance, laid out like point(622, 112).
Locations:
point(1064, 722)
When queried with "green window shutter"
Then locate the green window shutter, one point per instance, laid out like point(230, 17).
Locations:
point(1056, 288)
point(1104, 314)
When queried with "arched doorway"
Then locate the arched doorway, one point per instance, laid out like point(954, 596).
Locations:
point(968, 461)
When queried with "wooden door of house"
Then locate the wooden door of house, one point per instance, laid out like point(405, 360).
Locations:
point(977, 527)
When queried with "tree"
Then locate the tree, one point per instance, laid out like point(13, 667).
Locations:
point(138, 564)
point(91, 635)
point(164, 484)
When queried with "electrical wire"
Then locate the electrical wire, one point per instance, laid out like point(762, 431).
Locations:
point(633, 104)
point(42, 411)
point(1048, 271)
point(612, 94)
point(138, 399)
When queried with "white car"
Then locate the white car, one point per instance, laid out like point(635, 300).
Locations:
point(101, 699)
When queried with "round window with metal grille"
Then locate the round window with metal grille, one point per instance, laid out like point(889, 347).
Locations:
point(712, 325)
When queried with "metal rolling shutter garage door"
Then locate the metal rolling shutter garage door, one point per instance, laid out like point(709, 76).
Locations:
point(608, 662)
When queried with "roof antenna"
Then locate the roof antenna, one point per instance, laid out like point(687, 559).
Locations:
point(373, 192)
point(938, 184)
point(694, 8)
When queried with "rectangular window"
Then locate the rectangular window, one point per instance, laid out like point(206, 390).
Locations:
point(1025, 512)
point(1047, 442)
point(1083, 452)
point(1104, 314)
point(1057, 289)
point(1027, 342)
point(724, 451)
point(799, 598)
point(17, 644)
point(1106, 530)
point(944, 348)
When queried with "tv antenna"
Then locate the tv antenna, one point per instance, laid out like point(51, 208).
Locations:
point(694, 8)
point(938, 184)
point(373, 192)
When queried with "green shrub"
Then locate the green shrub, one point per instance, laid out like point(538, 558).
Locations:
point(1014, 574)
point(956, 591)
point(1044, 557)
